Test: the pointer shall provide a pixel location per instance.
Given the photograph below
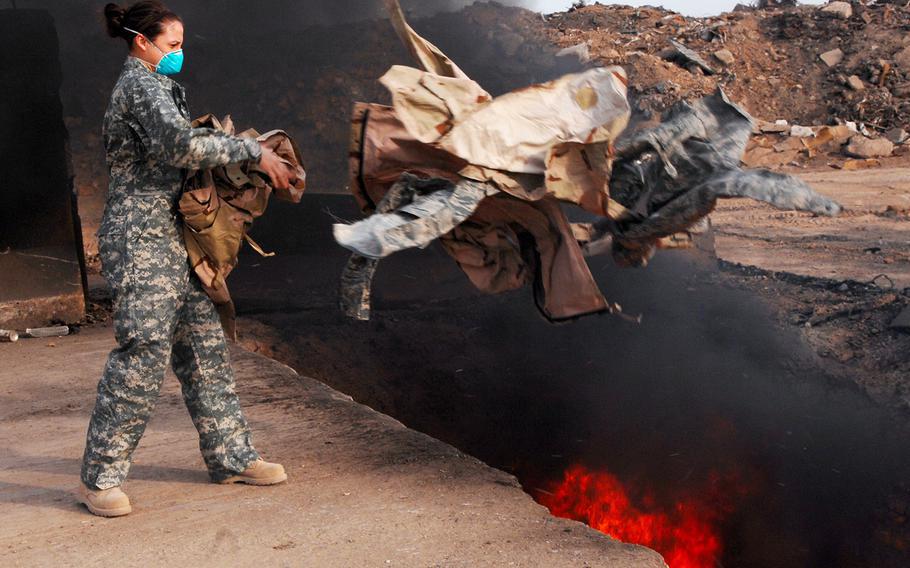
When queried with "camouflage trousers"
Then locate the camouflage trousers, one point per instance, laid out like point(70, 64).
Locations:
point(161, 314)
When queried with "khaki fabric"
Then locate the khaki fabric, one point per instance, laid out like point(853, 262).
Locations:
point(430, 57)
point(429, 105)
point(539, 145)
point(516, 131)
point(219, 205)
point(487, 246)
point(509, 243)
point(554, 138)
point(546, 144)
point(382, 149)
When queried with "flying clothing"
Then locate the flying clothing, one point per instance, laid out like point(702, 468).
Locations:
point(161, 311)
point(487, 176)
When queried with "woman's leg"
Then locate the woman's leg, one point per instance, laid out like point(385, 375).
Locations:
point(201, 361)
point(145, 276)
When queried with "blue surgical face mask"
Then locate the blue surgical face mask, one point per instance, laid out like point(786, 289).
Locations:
point(171, 63)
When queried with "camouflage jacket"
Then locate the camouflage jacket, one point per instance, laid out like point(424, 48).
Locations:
point(151, 144)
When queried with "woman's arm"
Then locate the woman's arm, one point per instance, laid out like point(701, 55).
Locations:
point(172, 139)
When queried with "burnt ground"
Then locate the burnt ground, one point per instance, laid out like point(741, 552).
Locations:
point(847, 324)
point(841, 281)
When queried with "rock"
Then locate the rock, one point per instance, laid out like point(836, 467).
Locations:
point(789, 144)
point(902, 59)
point(801, 131)
point(511, 42)
point(769, 158)
point(855, 165)
point(902, 322)
point(842, 10)
point(846, 355)
point(725, 56)
point(897, 135)
point(830, 138)
point(779, 127)
point(833, 57)
point(901, 91)
point(582, 51)
point(856, 83)
point(686, 58)
point(862, 147)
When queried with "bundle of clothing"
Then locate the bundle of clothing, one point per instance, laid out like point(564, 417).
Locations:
point(487, 177)
point(219, 205)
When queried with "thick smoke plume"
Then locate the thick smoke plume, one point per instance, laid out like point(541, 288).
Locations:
point(287, 64)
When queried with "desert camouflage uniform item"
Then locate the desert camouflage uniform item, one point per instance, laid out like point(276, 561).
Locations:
point(161, 311)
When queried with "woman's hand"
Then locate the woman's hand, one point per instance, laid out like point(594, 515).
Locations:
point(277, 171)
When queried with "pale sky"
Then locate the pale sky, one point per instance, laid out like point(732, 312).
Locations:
point(687, 7)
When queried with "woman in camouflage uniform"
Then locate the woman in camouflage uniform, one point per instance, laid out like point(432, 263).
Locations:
point(161, 310)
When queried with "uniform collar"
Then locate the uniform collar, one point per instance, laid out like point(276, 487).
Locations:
point(134, 63)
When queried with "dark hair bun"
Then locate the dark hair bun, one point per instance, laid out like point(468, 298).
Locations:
point(113, 15)
point(146, 17)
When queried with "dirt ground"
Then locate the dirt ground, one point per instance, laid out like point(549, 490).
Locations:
point(869, 239)
point(843, 280)
point(363, 490)
point(773, 67)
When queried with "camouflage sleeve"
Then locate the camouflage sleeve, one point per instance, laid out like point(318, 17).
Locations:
point(170, 137)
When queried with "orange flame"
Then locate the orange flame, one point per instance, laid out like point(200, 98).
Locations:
point(687, 535)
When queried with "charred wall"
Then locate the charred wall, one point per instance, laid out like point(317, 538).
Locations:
point(35, 201)
point(40, 250)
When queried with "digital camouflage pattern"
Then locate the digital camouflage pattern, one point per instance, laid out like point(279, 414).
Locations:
point(429, 209)
point(161, 310)
point(413, 213)
point(357, 276)
point(357, 286)
point(670, 177)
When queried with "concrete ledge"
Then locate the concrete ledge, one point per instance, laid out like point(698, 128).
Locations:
point(36, 312)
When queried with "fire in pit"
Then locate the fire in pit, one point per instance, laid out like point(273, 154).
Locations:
point(687, 532)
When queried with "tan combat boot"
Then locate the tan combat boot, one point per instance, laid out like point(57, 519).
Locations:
point(105, 503)
point(260, 472)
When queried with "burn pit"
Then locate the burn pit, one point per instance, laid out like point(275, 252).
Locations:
point(686, 534)
point(705, 433)
point(707, 425)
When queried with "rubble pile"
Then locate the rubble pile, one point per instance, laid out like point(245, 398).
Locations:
point(843, 64)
